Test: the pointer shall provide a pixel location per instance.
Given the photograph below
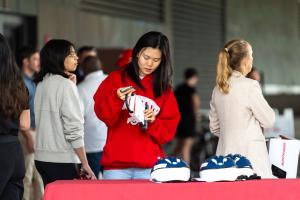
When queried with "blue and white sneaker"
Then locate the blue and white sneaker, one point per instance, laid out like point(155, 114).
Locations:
point(218, 168)
point(243, 165)
point(170, 169)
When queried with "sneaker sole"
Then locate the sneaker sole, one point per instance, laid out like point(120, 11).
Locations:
point(224, 174)
point(171, 174)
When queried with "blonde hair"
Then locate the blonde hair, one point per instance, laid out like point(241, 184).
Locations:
point(230, 59)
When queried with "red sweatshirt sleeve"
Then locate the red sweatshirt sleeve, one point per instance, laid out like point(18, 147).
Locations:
point(107, 103)
point(163, 129)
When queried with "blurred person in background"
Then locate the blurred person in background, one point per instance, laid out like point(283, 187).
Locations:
point(238, 110)
point(254, 74)
point(95, 130)
point(257, 75)
point(130, 152)
point(82, 53)
point(14, 117)
point(189, 104)
point(58, 115)
point(28, 59)
point(124, 58)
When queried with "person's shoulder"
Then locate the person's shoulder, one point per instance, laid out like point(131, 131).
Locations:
point(55, 77)
point(27, 82)
point(215, 90)
point(63, 79)
point(63, 82)
point(82, 85)
point(249, 85)
point(102, 74)
point(180, 87)
point(168, 91)
point(242, 81)
point(116, 73)
point(53, 80)
point(251, 82)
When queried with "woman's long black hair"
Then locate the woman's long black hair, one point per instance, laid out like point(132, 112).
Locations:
point(162, 76)
point(13, 92)
point(53, 55)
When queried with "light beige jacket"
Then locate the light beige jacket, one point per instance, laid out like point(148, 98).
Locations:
point(237, 119)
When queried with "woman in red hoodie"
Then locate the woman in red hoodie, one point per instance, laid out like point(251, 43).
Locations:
point(131, 151)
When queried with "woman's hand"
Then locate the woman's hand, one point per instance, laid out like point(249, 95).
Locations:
point(72, 77)
point(85, 166)
point(149, 115)
point(90, 173)
point(121, 92)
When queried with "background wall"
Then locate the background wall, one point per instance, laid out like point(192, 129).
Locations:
point(195, 30)
point(68, 19)
point(272, 27)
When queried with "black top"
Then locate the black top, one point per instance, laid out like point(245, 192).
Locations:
point(8, 126)
point(9, 129)
point(187, 124)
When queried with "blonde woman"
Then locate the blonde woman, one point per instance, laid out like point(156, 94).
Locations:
point(238, 110)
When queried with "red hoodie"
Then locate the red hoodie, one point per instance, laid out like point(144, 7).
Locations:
point(127, 145)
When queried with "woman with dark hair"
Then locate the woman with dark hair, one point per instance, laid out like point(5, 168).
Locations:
point(130, 151)
point(14, 116)
point(59, 120)
point(238, 110)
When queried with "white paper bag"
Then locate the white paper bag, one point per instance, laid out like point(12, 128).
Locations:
point(284, 154)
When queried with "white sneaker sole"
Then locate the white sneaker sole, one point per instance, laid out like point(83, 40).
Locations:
point(171, 174)
point(224, 174)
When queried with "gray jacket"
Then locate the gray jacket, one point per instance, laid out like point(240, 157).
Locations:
point(59, 120)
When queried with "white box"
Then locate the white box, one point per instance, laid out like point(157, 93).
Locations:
point(284, 155)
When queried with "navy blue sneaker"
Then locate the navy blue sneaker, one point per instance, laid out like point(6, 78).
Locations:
point(170, 169)
point(218, 168)
point(242, 164)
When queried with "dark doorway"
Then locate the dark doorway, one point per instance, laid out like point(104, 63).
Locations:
point(20, 30)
